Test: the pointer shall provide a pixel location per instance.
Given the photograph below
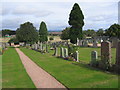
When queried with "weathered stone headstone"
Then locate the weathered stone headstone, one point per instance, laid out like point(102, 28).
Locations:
point(46, 48)
point(94, 57)
point(95, 44)
point(65, 52)
point(56, 52)
point(7, 44)
point(77, 56)
point(105, 55)
point(62, 52)
point(35, 46)
point(21, 43)
point(80, 43)
point(118, 56)
point(85, 43)
point(38, 46)
point(41, 46)
point(77, 42)
point(114, 42)
point(12, 44)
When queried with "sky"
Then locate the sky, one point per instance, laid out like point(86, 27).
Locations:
point(55, 13)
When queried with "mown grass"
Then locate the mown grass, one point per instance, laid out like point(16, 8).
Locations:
point(85, 54)
point(72, 74)
point(13, 72)
point(0, 71)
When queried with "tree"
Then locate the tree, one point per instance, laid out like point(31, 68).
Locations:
point(100, 32)
point(51, 38)
point(43, 33)
point(65, 34)
point(113, 31)
point(13, 40)
point(7, 31)
point(76, 22)
point(89, 33)
point(27, 33)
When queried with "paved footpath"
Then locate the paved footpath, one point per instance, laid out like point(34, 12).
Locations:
point(40, 78)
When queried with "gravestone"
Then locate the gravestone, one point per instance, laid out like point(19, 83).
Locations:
point(118, 56)
point(35, 46)
point(80, 43)
point(62, 52)
point(3, 46)
point(46, 48)
point(56, 52)
point(105, 55)
point(21, 43)
point(114, 42)
point(41, 46)
point(76, 56)
point(95, 44)
point(38, 47)
point(77, 42)
point(85, 43)
point(94, 57)
point(12, 44)
point(65, 52)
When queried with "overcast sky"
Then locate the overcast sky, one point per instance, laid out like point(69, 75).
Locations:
point(97, 13)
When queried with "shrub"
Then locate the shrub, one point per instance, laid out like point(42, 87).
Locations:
point(13, 40)
point(72, 50)
point(51, 38)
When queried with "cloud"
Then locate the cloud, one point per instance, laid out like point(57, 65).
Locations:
point(59, 1)
point(119, 12)
point(27, 10)
point(56, 14)
point(11, 23)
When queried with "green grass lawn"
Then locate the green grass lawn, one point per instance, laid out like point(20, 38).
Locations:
point(73, 74)
point(13, 72)
point(85, 54)
point(0, 71)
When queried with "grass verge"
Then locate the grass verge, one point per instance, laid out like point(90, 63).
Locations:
point(13, 72)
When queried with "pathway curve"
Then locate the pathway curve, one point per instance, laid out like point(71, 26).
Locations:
point(40, 78)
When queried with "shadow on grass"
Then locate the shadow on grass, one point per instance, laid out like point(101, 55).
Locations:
point(91, 68)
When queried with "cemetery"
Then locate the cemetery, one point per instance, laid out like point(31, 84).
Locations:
point(67, 67)
point(34, 59)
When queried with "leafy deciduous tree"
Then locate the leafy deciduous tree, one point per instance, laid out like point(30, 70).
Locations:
point(65, 34)
point(27, 33)
point(100, 32)
point(113, 31)
point(7, 31)
point(89, 33)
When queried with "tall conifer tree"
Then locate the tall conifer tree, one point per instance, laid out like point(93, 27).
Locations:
point(43, 33)
point(76, 21)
